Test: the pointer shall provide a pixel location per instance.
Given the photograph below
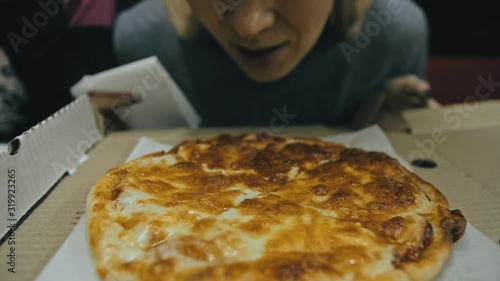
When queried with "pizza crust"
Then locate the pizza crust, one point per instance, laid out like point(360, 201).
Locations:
point(256, 207)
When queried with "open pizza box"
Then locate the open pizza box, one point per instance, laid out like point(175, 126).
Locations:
point(159, 102)
point(53, 167)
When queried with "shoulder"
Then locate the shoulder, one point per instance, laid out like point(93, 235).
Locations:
point(143, 30)
point(400, 20)
point(402, 38)
point(390, 26)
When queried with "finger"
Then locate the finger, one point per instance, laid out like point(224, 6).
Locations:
point(423, 88)
point(407, 84)
point(434, 104)
point(419, 92)
point(417, 100)
point(397, 85)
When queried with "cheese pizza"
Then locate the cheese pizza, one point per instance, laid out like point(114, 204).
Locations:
point(260, 207)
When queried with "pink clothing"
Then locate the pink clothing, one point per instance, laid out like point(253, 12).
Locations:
point(90, 12)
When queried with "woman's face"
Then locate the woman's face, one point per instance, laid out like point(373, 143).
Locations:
point(266, 38)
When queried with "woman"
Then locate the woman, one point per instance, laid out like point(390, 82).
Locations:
point(252, 62)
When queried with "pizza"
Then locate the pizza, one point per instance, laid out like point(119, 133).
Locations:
point(260, 207)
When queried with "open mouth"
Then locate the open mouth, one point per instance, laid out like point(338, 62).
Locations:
point(262, 53)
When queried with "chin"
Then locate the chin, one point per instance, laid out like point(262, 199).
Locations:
point(264, 76)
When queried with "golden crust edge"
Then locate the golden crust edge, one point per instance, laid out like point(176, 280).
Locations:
point(434, 258)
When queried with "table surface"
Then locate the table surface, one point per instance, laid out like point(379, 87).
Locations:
point(50, 223)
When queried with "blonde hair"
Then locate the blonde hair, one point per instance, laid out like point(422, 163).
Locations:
point(347, 17)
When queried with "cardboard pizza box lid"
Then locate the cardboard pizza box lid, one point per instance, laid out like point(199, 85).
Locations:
point(454, 118)
point(36, 160)
point(160, 101)
point(467, 135)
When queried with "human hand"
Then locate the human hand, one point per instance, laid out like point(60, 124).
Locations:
point(409, 91)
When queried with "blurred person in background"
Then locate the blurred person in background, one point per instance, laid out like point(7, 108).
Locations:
point(12, 98)
point(247, 62)
point(49, 46)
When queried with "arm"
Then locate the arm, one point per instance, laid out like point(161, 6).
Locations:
point(407, 85)
point(406, 38)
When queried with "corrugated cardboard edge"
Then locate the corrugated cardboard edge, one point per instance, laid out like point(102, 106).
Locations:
point(456, 117)
point(40, 157)
point(465, 134)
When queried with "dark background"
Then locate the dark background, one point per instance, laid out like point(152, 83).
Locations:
point(463, 28)
point(464, 45)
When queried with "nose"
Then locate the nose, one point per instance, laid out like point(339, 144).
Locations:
point(251, 18)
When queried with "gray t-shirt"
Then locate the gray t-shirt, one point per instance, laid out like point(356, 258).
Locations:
point(326, 87)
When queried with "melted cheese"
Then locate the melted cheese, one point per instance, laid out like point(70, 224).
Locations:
point(259, 208)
